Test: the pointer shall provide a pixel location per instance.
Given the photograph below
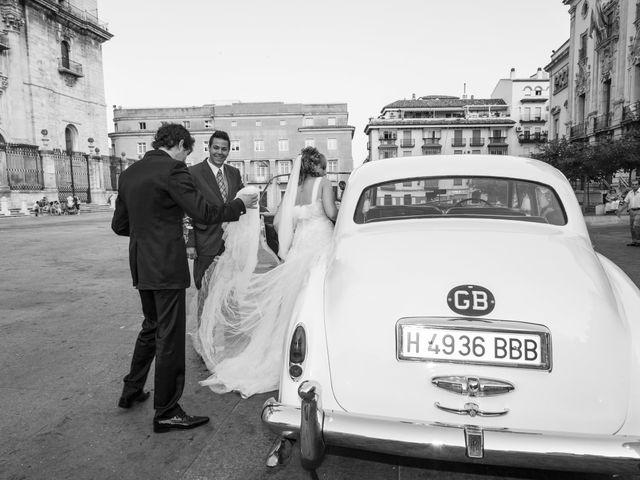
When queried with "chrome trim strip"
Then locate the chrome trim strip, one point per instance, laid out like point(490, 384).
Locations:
point(483, 325)
point(472, 410)
point(438, 441)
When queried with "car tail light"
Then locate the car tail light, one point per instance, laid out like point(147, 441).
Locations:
point(298, 349)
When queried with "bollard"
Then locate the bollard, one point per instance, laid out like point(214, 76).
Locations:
point(4, 207)
point(23, 208)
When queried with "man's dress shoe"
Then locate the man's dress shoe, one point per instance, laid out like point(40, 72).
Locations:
point(180, 421)
point(127, 402)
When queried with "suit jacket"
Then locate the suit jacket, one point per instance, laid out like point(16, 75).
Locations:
point(207, 239)
point(153, 196)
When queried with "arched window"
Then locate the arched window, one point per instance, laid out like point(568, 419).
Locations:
point(527, 91)
point(71, 138)
point(538, 91)
point(64, 50)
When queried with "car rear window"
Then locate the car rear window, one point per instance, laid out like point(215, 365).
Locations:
point(457, 196)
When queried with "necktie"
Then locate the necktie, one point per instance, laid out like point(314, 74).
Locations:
point(222, 184)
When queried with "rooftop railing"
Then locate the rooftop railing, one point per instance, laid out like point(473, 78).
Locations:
point(83, 15)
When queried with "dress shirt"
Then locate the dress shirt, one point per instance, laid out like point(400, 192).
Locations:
point(633, 199)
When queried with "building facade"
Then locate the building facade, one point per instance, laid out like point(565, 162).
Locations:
point(603, 68)
point(528, 99)
point(440, 124)
point(53, 123)
point(265, 137)
point(558, 70)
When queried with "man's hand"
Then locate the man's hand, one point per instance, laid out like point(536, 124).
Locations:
point(191, 253)
point(250, 200)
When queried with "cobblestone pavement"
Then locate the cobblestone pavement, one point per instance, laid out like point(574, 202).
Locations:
point(68, 320)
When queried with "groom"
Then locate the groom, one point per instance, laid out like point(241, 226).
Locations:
point(153, 196)
point(217, 182)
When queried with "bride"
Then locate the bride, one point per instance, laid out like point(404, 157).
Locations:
point(245, 314)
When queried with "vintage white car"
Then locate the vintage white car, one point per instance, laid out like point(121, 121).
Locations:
point(463, 315)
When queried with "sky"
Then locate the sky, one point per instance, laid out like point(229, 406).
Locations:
point(365, 53)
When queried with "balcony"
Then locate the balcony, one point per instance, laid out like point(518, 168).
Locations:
point(4, 42)
point(434, 142)
point(70, 67)
point(458, 142)
point(497, 141)
point(407, 143)
point(387, 143)
point(541, 119)
point(602, 122)
point(536, 137)
point(579, 130)
point(476, 142)
point(631, 113)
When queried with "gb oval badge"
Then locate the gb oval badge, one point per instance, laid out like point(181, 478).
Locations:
point(472, 300)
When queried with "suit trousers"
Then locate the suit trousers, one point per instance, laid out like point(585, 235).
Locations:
point(162, 336)
point(634, 225)
point(200, 265)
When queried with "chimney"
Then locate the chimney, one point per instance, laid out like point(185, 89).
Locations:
point(471, 97)
point(413, 96)
point(539, 73)
point(512, 74)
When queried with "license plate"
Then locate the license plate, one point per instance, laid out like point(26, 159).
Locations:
point(473, 346)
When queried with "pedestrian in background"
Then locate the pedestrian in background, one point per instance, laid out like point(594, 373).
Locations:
point(153, 196)
point(632, 203)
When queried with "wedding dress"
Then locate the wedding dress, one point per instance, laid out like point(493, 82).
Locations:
point(245, 314)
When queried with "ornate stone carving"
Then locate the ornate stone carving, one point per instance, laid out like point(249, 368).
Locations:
point(607, 63)
point(66, 33)
point(634, 48)
point(555, 110)
point(583, 78)
point(11, 14)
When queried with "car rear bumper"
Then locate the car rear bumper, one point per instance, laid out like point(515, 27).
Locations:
point(455, 443)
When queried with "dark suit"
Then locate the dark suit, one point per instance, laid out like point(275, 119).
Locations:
point(153, 196)
point(207, 239)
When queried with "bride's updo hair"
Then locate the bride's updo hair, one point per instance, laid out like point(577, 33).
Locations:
point(312, 163)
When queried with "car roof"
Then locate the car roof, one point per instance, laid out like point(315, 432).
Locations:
point(504, 166)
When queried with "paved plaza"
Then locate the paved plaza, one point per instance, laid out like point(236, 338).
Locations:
point(68, 321)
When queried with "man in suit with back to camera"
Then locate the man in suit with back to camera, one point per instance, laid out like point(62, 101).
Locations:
point(218, 182)
point(153, 196)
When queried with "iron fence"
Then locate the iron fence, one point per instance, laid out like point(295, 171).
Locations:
point(24, 167)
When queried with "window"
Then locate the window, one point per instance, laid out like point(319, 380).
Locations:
point(283, 123)
point(64, 51)
point(186, 124)
point(582, 52)
point(258, 145)
point(538, 91)
point(332, 166)
point(284, 167)
point(457, 152)
point(388, 135)
point(526, 116)
point(142, 125)
point(475, 152)
point(205, 146)
point(307, 122)
point(261, 169)
point(331, 121)
point(527, 91)
point(332, 144)
point(556, 127)
point(283, 145)
point(115, 127)
point(239, 166)
point(208, 124)
point(406, 153)
point(408, 183)
point(234, 123)
point(142, 148)
point(235, 145)
point(258, 123)
point(505, 199)
point(309, 142)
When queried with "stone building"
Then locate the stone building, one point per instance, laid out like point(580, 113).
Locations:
point(603, 68)
point(440, 124)
point(558, 70)
point(528, 99)
point(265, 137)
point(53, 125)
